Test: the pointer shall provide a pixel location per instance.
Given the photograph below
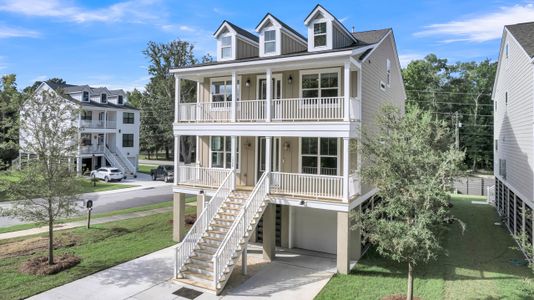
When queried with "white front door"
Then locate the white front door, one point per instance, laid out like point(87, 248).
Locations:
point(276, 87)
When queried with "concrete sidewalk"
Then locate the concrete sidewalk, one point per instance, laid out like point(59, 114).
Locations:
point(70, 225)
point(293, 275)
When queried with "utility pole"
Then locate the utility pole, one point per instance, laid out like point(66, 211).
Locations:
point(457, 126)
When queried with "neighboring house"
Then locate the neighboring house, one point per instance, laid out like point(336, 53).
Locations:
point(108, 127)
point(513, 96)
point(278, 121)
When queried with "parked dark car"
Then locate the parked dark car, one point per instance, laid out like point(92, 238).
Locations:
point(164, 172)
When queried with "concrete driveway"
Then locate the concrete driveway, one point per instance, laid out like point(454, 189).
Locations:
point(293, 275)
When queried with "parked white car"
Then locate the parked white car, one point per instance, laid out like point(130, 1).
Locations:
point(107, 174)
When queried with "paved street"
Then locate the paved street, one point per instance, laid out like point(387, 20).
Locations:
point(115, 200)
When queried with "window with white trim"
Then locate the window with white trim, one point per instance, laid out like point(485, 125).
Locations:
point(221, 152)
point(320, 85)
point(226, 47)
point(319, 156)
point(269, 41)
point(319, 34)
point(85, 96)
point(104, 98)
point(221, 90)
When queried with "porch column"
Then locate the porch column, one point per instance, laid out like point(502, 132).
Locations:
point(269, 232)
point(178, 214)
point(234, 96)
point(268, 94)
point(268, 161)
point(78, 165)
point(176, 159)
point(177, 97)
point(201, 198)
point(233, 155)
point(343, 242)
point(346, 160)
point(346, 91)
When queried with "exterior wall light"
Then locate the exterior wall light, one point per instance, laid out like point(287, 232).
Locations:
point(290, 79)
point(247, 83)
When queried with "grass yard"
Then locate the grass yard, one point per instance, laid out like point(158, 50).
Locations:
point(100, 247)
point(146, 168)
point(87, 185)
point(480, 265)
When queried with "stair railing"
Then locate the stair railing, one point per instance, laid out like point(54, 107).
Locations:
point(113, 159)
point(224, 255)
point(126, 162)
point(191, 239)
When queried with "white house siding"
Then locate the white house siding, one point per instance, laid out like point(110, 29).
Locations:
point(314, 229)
point(514, 121)
point(340, 38)
point(245, 49)
point(290, 45)
point(129, 129)
point(373, 97)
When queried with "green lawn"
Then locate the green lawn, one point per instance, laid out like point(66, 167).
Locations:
point(100, 215)
point(146, 168)
point(100, 247)
point(480, 265)
point(87, 185)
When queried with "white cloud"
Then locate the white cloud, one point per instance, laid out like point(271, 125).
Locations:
point(406, 58)
point(480, 28)
point(11, 32)
point(177, 28)
point(132, 11)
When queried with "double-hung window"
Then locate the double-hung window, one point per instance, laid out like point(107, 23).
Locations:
point(221, 90)
point(221, 152)
point(319, 156)
point(85, 96)
point(269, 42)
point(104, 98)
point(226, 47)
point(127, 140)
point(319, 34)
point(320, 85)
point(86, 115)
point(127, 118)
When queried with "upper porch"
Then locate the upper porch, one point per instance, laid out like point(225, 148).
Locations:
point(299, 90)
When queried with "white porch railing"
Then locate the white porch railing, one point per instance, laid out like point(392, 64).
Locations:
point(184, 250)
point(302, 109)
point(199, 176)
point(93, 149)
point(92, 123)
point(205, 112)
point(250, 110)
point(307, 185)
point(111, 124)
point(239, 232)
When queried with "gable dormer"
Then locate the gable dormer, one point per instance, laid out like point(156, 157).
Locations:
point(325, 32)
point(234, 42)
point(117, 97)
point(277, 38)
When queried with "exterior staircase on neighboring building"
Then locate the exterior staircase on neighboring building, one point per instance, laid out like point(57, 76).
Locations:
point(119, 161)
point(211, 259)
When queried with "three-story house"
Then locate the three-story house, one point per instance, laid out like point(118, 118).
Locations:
point(278, 120)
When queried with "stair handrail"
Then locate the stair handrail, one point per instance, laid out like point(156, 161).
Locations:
point(239, 228)
point(128, 164)
point(195, 233)
point(109, 156)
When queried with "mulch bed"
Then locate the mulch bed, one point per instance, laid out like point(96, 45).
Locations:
point(39, 265)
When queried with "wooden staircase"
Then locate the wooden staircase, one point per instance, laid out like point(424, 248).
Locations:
point(198, 270)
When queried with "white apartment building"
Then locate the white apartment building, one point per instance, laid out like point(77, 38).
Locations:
point(108, 127)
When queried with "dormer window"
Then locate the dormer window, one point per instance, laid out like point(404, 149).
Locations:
point(270, 41)
point(103, 98)
point(226, 47)
point(319, 34)
point(120, 100)
point(85, 96)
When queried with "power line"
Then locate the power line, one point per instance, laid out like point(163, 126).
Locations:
point(452, 93)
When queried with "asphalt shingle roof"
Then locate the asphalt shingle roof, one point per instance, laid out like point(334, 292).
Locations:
point(524, 34)
point(64, 89)
point(284, 25)
point(241, 31)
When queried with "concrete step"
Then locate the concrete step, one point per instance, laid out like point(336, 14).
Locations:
point(198, 277)
point(201, 284)
point(199, 269)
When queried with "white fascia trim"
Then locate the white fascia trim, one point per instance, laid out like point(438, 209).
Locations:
point(268, 18)
point(325, 14)
point(309, 203)
point(224, 25)
point(399, 67)
point(514, 39)
point(499, 63)
point(376, 46)
point(358, 201)
point(193, 190)
point(274, 61)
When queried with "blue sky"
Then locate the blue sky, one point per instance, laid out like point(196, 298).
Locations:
point(100, 42)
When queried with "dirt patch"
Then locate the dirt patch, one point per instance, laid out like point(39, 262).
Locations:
point(398, 297)
point(33, 245)
point(39, 265)
point(189, 220)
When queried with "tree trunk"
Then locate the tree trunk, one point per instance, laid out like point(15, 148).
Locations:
point(50, 241)
point(409, 295)
point(167, 153)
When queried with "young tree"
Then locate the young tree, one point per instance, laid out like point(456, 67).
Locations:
point(48, 187)
point(412, 162)
point(9, 109)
